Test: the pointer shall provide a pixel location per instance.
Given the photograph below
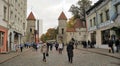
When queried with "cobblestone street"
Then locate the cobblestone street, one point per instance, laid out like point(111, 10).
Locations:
point(81, 58)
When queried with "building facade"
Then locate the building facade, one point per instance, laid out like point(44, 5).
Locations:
point(100, 19)
point(3, 26)
point(12, 23)
point(77, 32)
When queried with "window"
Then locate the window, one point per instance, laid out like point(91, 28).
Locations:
point(30, 29)
point(90, 22)
point(11, 14)
point(107, 15)
point(5, 11)
point(15, 0)
point(79, 33)
point(62, 31)
point(101, 17)
point(1, 38)
point(117, 9)
point(23, 26)
point(94, 21)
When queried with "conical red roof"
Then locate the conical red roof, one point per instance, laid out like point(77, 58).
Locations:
point(31, 16)
point(79, 23)
point(62, 16)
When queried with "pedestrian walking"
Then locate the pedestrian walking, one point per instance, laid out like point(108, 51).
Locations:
point(56, 45)
point(21, 47)
point(88, 43)
point(48, 46)
point(51, 46)
point(76, 44)
point(60, 47)
point(110, 45)
point(117, 44)
point(70, 52)
point(44, 51)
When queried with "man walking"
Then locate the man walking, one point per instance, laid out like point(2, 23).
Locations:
point(117, 43)
point(110, 44)
point(21, 47)
point(70, 52)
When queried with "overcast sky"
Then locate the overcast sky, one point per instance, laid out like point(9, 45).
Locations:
point(49, 10)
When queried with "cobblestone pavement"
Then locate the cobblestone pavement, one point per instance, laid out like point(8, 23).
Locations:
point(101, 51)
point(81, 58)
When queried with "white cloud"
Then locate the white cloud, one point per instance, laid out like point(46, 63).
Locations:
point(49, 10)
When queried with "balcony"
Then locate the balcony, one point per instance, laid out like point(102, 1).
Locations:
point(92, 28)
point(105, 24)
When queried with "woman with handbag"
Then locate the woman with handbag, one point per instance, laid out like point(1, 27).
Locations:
point(44, 51)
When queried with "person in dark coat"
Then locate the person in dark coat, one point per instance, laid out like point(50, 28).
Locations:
point(48, 46)
point(88, 43)
point(21, 47)
point(110, 44)
point(70, 52)
point(56, 45)
point(51, 46)
point(117, 43)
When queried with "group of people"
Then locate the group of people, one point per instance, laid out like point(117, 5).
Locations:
point(59, 47)
point(111, 45)
point(90, 44)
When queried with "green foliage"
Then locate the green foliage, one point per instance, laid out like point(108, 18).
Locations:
point(51, 34)
point(71, 23)
point(79, 11)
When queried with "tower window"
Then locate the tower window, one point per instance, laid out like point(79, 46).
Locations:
point(62, 31)
point(30, 29)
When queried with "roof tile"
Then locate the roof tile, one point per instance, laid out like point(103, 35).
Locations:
point(71, 30)
point(79, 23)
point(31, 16)
point(62, 16)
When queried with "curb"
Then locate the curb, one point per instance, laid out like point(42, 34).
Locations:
point(13, 57)
point(101, 53)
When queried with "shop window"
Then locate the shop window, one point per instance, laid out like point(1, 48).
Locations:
point(105, 36)
point(1, 38)
point(93, 36)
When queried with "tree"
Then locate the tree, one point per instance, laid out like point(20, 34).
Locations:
point(80, 10)
point(71, 23)
point(43, 38)
point(51, 34)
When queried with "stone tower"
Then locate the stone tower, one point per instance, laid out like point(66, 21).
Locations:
point(62, 23)
point(30, 32)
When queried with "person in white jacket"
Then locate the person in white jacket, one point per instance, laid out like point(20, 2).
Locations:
point(60, 48)
point(44, 51)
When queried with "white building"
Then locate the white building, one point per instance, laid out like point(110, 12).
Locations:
point(13, 17)
point(101, 17)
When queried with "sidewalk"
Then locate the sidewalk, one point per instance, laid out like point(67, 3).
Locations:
point(100, 51)
point(8, 56)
